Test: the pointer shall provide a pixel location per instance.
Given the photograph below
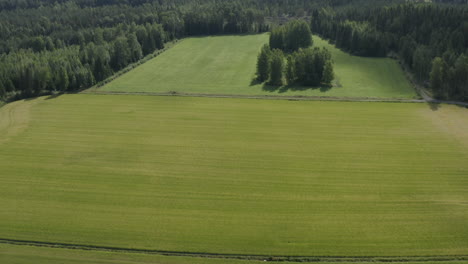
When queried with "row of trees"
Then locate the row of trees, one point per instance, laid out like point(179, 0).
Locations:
point(308, 67)
point(427, 39)
point(106, 35)
point(74, 67)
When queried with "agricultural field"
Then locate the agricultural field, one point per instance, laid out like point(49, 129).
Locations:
point(234, 176)
point(14, 254)
point(226, 65)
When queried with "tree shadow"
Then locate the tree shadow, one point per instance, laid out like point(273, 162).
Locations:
point(294, 88)
point(289, 87)
point(53, 96)
point(434, 106)
point(254, 82)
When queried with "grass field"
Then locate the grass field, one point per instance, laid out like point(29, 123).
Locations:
point(236, 175)
point(13, 254)
point(226, 65)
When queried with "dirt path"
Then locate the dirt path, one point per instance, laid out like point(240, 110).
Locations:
point(328, 259)
point(14, 118)
point(426, 97)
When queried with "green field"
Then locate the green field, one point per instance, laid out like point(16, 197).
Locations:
point(236, 175)
point(13, 254)
point(226, 65)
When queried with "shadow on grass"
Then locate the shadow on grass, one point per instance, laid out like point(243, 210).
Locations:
point(53, 96)
point(433, 106)
point(293, 88)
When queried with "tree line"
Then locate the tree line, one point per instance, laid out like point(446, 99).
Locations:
point(430, 40)
point(302, 64)
point(97, 38)
point(72, 45)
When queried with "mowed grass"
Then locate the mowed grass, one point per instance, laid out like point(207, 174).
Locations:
point(238, 176)
point(227, 65)
point(16, 254)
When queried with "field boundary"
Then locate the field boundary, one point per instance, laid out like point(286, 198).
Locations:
point(273, 258)
point(284, 97)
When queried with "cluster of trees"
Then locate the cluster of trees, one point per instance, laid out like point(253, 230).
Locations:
point(292, 36)
point(427, 38)
point(450, 80)
point(308, 67)
point(301, 65)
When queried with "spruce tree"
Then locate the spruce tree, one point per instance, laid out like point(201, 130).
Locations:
point(276, 67)
point(290, 71)
point(263, 63)
point(437, 76)
point(328, 74)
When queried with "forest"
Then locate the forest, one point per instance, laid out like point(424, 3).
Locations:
point(69, 45)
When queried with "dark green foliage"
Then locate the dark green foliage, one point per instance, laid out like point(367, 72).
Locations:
point(121, 53)
point(276, 67)
point(328, 75)
point(292, 36)
point(102, 34)
point(438, 76)
point(417, 33)
point(422, 58)
point(290, 70)
point(450, 82)
point(135, 48)
point(277, 36)
point(298, 35)
point(310, 65)
point(263, 63)
point(71, 44)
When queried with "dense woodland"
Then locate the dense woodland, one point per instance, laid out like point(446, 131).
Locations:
point(430, 40)
point(68, 45)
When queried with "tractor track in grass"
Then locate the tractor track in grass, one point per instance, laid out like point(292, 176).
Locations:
point(273, 258)
point(283, 97)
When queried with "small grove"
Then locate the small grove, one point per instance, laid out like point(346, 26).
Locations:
point(290, 59)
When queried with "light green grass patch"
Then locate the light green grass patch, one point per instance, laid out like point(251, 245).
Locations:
point(237, 176)
point(227, 64)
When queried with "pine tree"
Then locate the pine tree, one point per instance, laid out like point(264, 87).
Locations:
point(263, 63)
point(276, 67)
point(328, 74)
point(437, 76)
point(135, 48)
point(290, 71)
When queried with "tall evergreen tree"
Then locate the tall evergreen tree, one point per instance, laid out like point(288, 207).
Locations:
point(437, 76)
point(276, 67)
point(290, 70)
point(263, 63)
point(328, 75)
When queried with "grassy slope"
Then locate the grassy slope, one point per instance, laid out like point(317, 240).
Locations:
point(238, 176)
point(226, 65)
point(12, 254)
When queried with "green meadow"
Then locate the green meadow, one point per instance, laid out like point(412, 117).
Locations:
point(227, 65)
point(235, 176)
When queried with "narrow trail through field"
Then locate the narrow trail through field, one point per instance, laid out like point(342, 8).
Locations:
point(14, 118)
point(426, 99)
point(272, 258)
